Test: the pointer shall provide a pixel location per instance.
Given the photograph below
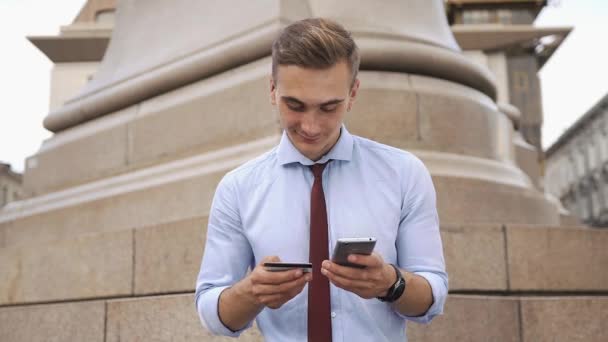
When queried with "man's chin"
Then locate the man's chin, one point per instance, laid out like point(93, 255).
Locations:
point(310, 153)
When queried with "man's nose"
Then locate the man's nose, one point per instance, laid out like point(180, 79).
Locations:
point(310, 124)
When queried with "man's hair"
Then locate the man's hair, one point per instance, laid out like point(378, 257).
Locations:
point(315, 43)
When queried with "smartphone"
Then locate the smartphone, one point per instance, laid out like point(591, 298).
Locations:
point(346, 246)
point(306, 267)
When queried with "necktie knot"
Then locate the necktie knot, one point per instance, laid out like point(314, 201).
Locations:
point(317, 169)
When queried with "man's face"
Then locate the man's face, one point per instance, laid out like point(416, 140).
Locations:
point(312, 104)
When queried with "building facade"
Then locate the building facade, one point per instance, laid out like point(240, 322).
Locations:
point(577, 166)
point(501, 35)
point(506, 28)
point(10, 185)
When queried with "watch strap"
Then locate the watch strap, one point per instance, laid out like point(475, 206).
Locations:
point(397, 289)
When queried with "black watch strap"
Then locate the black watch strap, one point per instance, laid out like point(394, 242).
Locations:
point(397, 289)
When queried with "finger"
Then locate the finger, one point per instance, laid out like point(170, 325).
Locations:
point(373, 260)
point(275, 304)
point(272, 258)
point(270, 289)
point(271, 300)
point(261, 275)
point(348, 272)
point(346, 283)
point(275, 301)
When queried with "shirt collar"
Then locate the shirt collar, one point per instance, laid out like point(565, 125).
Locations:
point(342, 150)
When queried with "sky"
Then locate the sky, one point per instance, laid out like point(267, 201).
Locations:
point(576, 76)
point(25, 73)
point(573, 80)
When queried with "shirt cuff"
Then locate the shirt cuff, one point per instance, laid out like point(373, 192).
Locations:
point(207, 305)
point(439, 289)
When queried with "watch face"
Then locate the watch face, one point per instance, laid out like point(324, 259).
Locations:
point(401, 285)
point(399, 289)
point(396, 291)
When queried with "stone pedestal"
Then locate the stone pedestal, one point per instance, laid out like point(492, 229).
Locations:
point(123, 189)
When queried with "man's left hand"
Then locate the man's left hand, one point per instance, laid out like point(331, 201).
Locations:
point(370, 282)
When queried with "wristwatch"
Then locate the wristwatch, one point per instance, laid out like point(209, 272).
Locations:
point(396, 290)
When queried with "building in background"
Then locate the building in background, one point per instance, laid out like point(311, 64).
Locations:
point(577, 166)
point(501, 35)
point(77, 50)
point(10, 185)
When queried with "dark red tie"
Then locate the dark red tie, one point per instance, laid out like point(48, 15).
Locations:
point(319, 307)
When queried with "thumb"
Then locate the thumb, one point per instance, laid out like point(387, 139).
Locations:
point(272, 258)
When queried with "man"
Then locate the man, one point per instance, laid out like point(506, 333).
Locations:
point(318, 185)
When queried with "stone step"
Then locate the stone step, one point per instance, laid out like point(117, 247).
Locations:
point(174, 318)
point(557, 258)
point(166, 258)
point(161, 258)
point(185, 188)
point(517, 319)
point(196, 118)
point(525, 258)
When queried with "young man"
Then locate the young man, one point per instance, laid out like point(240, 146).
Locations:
point(318, 185)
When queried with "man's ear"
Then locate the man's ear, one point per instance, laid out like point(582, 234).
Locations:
point(273, 92)
point(353, 94)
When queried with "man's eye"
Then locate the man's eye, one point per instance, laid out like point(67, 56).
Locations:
point(295, 107)
point(329, 109)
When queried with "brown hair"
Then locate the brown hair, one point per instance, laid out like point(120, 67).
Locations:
point(315, 43)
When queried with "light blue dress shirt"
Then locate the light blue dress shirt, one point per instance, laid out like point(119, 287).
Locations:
point(262, 208)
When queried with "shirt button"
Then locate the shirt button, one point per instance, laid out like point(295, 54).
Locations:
point(333, 315)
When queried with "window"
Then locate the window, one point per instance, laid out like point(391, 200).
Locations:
point(504, 16)
point(475, 16)
point(603, 146)
point(571, 170)
point(580, 163)
point(591, 151)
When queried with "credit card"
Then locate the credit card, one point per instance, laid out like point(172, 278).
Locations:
point(286, 266)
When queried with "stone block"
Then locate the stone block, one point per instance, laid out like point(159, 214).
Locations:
point(475, 257)
point(227, 109)
point(165, 202)
point(208, 114)
point(564, 319)
point(92, 266)
point(557, 258)
point(164, 318)
point(81, 154)
point(168, 256)
point(454, 118)
point(385, 109)
point(11, 266)
point(3, 227)
point(53, 322)
point(527, 159)
point(472, 318)
point(466, 200)
point(569, 220)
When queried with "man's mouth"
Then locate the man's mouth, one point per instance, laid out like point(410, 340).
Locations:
point(309, 140)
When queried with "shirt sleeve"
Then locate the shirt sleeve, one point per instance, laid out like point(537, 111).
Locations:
point(226, 258)
point(419, 247)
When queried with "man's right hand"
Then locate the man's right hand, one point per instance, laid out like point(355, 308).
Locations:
point(243, 301)
point(273, 289)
